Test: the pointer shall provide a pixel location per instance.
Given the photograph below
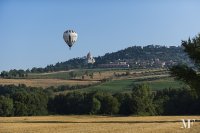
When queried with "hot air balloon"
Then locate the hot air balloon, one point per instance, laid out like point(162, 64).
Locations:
point(70, 37)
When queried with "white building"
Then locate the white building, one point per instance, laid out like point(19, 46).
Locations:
point(90, 59)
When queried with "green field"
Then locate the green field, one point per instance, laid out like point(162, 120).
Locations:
point(126, 85)
point(156, 79)
point(111, 86)
point(54, 75)
point(165, 83)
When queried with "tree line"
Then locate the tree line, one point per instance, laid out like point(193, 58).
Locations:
point(14, 74)
point(30, 101)
point(22, 101)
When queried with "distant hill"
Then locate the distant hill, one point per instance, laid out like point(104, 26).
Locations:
point(137, 56)
point(146, 57)
point(151, 56)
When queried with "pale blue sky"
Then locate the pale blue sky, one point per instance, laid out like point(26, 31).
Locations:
point(31, 32)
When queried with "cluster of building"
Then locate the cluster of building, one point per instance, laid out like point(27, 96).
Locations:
point(133, 63)
point(156, 63)
point(153, 63)
point(115, 65)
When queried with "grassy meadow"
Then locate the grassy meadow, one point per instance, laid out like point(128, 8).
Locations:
point(124, 85)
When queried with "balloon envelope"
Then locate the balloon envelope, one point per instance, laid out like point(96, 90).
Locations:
point(70, 37)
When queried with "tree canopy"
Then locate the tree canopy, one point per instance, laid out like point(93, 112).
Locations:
point(190, 74)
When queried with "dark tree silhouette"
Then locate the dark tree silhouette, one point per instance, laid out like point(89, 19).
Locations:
point(190, 75)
